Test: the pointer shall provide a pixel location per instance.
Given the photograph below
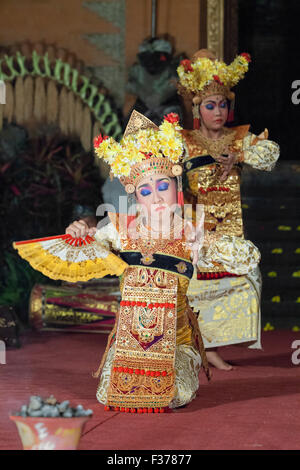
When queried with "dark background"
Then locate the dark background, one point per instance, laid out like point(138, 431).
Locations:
point(270, 31)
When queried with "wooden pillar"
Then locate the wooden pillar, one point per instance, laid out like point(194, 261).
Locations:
point(215, 27)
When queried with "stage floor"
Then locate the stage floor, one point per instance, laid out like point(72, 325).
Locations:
point(256, 406)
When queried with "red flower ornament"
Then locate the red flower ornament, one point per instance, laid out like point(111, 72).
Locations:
point(246, 56)
point(147, 155)
point(99, 139)
point(217, 79)
point(172, 118)
point(187, 64)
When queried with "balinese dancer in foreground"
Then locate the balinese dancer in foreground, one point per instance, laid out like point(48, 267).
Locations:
point(228, 305)
point(155, 351)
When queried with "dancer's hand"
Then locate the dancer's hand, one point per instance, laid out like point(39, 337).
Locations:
point(226, 165)
point(79, 228)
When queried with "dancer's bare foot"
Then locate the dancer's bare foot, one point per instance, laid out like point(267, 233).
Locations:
point(215, 359)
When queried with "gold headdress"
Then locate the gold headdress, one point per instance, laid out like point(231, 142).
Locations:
point(144, 149)
point(204, 75)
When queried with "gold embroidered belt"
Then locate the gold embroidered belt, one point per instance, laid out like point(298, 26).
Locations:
point(197, 162)
point(159, 261)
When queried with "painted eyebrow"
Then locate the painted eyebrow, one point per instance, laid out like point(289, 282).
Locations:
point(143, 186)
point(162, 179)
point(147, 184)
point(214, 102)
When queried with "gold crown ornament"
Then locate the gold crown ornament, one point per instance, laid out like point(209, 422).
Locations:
point(204, 75)
point(144, 149)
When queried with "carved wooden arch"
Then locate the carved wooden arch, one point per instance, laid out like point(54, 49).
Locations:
point(44, 84)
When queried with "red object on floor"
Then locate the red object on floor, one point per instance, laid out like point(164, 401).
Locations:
point(256, 406)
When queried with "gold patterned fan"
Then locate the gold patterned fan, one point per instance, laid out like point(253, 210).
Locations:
point(70, 259)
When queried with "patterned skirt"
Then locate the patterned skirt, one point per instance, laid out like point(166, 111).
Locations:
point(187, 368)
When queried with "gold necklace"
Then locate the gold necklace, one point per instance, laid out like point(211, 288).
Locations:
point(148, 245)
point(215, 147)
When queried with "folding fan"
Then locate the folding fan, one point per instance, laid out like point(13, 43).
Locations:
point(70, 259)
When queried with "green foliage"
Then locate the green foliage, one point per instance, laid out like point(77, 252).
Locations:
point(39, 189)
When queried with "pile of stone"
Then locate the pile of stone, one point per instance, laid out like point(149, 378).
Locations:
point(51, 408)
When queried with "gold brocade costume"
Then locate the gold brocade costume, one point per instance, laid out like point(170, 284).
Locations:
point(229, 307)
point(152, 323)
point(155, 349)
point(155, 332)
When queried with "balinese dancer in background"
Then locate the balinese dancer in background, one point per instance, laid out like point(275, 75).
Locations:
point(155, 350)
point(228, 304)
